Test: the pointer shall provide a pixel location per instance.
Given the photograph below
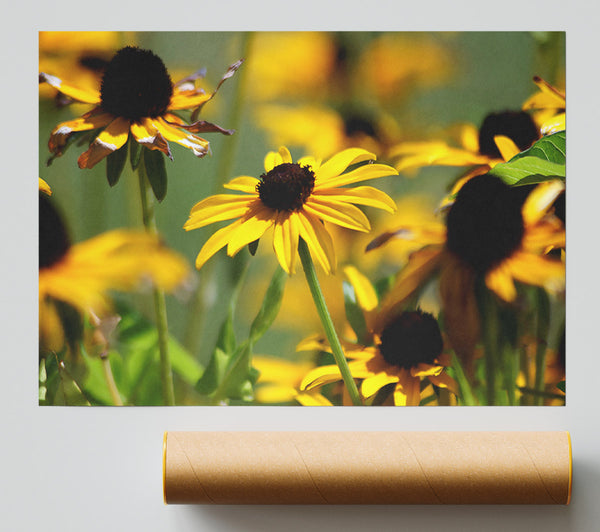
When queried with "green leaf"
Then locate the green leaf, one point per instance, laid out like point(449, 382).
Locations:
point(252, 247)
point(551, 148)
point(154, 164)
point(270, 305)
point(115, 163)
point(213, 375)
point(354, 313)
point(561, 386)
point(516, 170)
point(135, 153)
point(466, 394)
point(237, 374)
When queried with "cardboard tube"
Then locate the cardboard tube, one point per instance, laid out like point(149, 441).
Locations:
point(367, 467)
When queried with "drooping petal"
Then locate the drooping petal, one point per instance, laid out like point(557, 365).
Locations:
point(537, 270)
point(244, 183)
point(318, 240)
point(426, 370)
point(320, 376)
point(340, 161)
point(217, 241)
point(198, 145)
point(547, 233)
point(420, 267)
point(508, 149)
point(500, 281)
point(75, 93)
point(371, 385)
point(360, 196)
point(111, 139)
point(443, 380)
point(410, 386)
point(539, 201)
point(92, 120)
point(367, 171)
point(285, 240)
point(339, 213)
point(147, 135)
point(365, 293)
point(216, 209)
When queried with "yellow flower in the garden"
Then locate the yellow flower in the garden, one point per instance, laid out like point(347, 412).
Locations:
point(549, 105)
point(500, 137)
point(79, 276)
point(395, 63)
point(293, 199)
point(323, 131)
point(279, 382)
point(404, 349)
point(493, 231)
point(137, 98)
point(290, 64)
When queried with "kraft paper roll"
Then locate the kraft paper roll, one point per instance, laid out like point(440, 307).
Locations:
point(367, 467)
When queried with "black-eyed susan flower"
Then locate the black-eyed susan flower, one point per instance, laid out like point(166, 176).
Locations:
point(491, 231)
point(402, 351)
point(136, 98)
point(549, 106)
point(500, 137)
point(293, 199)
point(79, 276)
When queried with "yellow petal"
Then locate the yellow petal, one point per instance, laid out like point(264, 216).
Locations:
point(320, 376)
point(44, 187)
point(312, 399)
point(508, 149)
point(91, 120)
point(410, 386)
point(147, 135)
point(359, 195)
point(217, 241)
point(254, 224)
point(111, 139)
point(272, 159)
point(188, 99)
point(537, 270)
point(365, 293)
point(318, 240)
point(218, 208)
point(443, 380)
point(371, 385)
point(198, 145)
point(311, 161)
point(316, 342)
point(285, 240)
point(339, 162)
point(547, 233)
point(285, 155)
point(367, 171)
point(342, 214)
point(500, 281)
point(75, 93)
point(426, 370)
point(469, 138)
point(244, 183)
point(539, 201)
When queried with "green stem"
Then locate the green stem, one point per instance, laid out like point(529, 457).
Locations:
point(160, 307)
point(197, 311)
point(334, 342)
point(110, 380)
point(543, 325)
point(489, 321)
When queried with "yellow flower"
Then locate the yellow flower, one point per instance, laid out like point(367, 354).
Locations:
point(80, 275)
point(280, 379)
point(136, 98)
point(549, 105)
point(403, 350)
point(492, 231)
point(322, 131)
point(292, 199)
point(500, 137)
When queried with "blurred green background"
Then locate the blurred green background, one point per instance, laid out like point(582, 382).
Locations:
point(483, 72)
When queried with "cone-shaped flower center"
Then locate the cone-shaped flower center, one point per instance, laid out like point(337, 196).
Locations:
point(136, 84)
point(54, 240)
point(516, 125)
point(411, 339)
point(485, 224)
point(286, 187)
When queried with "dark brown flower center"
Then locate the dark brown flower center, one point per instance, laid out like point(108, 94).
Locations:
point(517, 125)
point(485, 224)
point(286, 187)
point(411, 339)
point(54, 241)
point(135, 85)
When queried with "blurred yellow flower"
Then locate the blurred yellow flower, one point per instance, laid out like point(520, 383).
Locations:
point(81, 275)
point(292, 199)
